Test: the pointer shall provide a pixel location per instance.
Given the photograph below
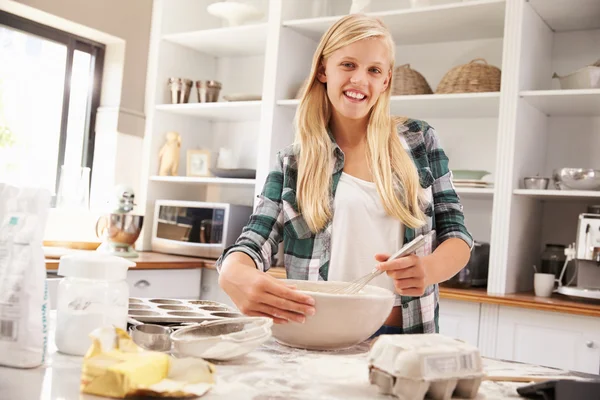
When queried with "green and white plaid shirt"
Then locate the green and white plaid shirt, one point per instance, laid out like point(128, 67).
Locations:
point(307, 255)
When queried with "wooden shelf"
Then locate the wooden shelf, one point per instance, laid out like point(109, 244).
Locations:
point(568, 15)
point(558, 194)
point(236, 41)
point(203, 180)
point(459, 105)
point(478, 19)
point(583, 102)
point(219, 111)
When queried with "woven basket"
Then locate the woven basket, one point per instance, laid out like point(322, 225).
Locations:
point(408, 81)
point(471, 77)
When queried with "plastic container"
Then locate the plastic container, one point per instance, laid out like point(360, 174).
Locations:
point(93, 293)
point(419, 366)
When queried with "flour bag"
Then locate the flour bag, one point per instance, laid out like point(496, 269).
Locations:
point(23, 292)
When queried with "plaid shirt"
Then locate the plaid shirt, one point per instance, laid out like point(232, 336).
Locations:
point(307, 255)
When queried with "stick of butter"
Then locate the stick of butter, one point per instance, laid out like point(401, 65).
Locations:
point(115, 366)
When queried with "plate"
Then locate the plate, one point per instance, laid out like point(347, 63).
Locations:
point(239, 173)
point(469, 174)
point(242, 97)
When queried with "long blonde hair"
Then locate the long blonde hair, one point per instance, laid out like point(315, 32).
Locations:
point(394, 172)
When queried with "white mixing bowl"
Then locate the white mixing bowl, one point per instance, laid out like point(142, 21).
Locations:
point(340, 321)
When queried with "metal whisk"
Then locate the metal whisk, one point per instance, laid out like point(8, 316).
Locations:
point(356, 285)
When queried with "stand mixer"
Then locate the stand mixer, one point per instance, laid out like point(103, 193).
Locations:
point(120, 228)
point(586, 254)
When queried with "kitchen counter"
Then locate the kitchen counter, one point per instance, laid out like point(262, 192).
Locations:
point(556, 303)
point(271, 371)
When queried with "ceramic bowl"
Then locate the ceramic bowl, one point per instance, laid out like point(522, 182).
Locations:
point(469, 174)
point(340, 320)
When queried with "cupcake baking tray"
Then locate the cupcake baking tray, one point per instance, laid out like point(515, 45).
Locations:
point(178, 311)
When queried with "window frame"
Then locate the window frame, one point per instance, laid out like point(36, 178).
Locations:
point(72, 42)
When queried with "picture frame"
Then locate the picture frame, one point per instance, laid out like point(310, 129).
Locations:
point(198, 163)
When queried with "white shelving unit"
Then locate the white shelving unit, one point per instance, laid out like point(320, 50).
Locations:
point(219, 111)
point(529, 127)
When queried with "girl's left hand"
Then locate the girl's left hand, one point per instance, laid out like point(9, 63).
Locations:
point(409, 273)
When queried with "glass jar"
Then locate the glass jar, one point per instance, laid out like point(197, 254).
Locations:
point(553, 259)
point(93, 294)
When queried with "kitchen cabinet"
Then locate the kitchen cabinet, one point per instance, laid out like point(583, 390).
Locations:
point(550, 339)
point(174, 283)
point(529, 127)
point(460, 320)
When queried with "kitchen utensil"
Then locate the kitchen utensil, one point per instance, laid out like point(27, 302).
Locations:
point(234, 13)
point(356, 285)
point(222, 340)
point(536, 182)
point(340, 321)
point(92, 294)
point(576, 179)
point(208, 91)
point(120, 229)
point(152, 337)
point(180, 89)
point(178, 311)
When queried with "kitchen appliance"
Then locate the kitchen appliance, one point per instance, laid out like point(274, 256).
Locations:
point(121, 228)
point(475, 273)
point(586, 255)
point(196, 228)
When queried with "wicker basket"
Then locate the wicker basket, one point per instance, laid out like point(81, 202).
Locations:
point(407, 81)
point(471, 77)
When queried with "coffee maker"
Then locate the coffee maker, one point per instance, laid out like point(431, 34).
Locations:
point(586, 254)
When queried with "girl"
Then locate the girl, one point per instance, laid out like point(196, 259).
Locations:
point(356, 185)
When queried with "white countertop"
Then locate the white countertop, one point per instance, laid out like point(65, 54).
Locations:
point(272, 371)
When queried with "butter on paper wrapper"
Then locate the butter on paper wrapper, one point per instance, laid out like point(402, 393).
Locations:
point(115, 366)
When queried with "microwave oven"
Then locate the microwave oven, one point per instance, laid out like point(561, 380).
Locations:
point(196, 228)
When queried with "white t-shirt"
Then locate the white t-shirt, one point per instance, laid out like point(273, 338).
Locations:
point(361, 228)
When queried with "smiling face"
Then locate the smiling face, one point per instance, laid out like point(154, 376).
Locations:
point(356, 75)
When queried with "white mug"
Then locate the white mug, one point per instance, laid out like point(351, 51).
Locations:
point(543, 284)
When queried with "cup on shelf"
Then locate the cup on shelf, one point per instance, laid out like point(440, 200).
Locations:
point(536, 182)
point(543, 284)
point(180, 89)
point(208, 91)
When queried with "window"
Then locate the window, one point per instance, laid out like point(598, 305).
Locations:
point(49, 93)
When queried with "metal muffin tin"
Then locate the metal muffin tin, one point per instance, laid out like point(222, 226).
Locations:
point(177, 311)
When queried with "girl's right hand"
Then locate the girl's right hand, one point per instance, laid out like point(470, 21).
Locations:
point(256, 293)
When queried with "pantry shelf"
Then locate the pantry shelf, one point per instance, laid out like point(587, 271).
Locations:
point(459, 105)
point(441, 23)
point(558, 194)
point(218, 111)
point(580, 102)
point(235, 41)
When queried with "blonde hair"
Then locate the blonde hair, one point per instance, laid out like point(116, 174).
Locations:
point(394, 172)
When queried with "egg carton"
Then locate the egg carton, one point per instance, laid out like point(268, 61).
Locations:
point(178, 311)
point(414, 367)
